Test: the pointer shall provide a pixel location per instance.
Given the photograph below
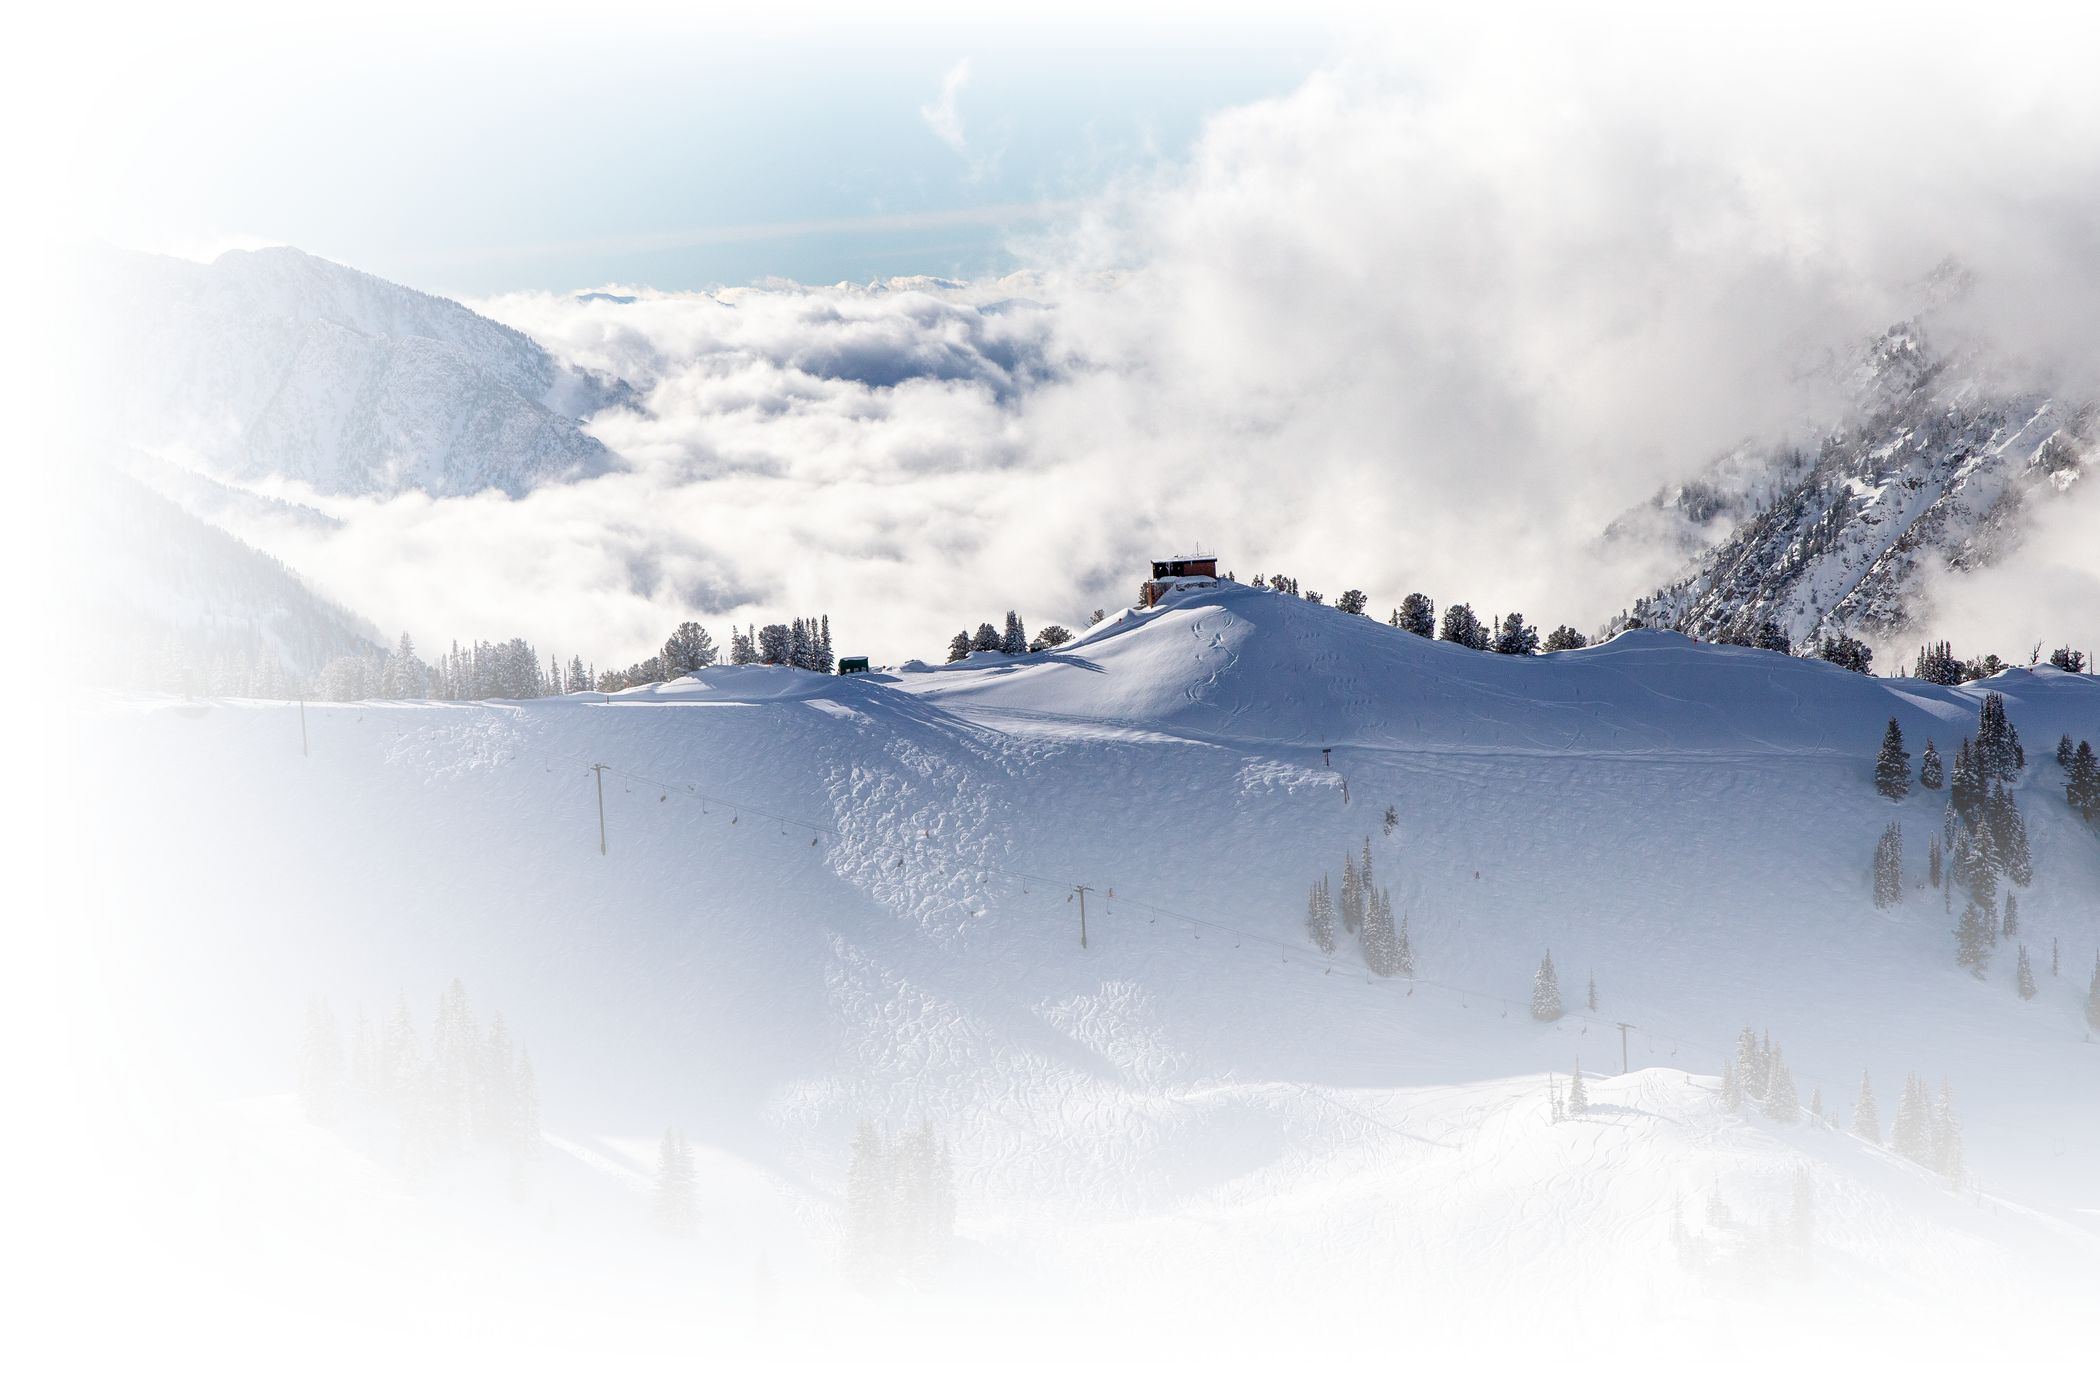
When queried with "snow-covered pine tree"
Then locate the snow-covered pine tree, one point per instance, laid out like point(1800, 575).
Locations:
point(1911, 1134)
point(1564, 638)
point(1888, 867)
point(1515, 637)
point(1945, 1136)
point(1417, 614)
point(2082, 782)
point(1866, 1114)
point(1015, 640)
point(825, 659)
point(959, 646)
point(1578, 1096)
point(1932, 775)
point(1933, 863)
point(1403, 951)
point(1815, 1105)
point(985, 638)
point(1972, 941)
point(1965, 790)
point(2063, 751)
point(677, 1193)
point(1463, 626)
point(320, 1064)
point(525, 1118)
point(1319, 918)
point(2001, 813)
point(1545, 991)
point(1593, 991)
point(1353, 601)
point(869, 1225)
point(2023, 977)
point(1752, 1062)
point(2009, 929)
point(1997, 741)
point(1352, 896)
point(1892, 768)
point(800, 648)
point(1781, 1103)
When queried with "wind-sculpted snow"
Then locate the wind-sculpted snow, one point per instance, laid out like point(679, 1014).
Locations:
point(834, 899)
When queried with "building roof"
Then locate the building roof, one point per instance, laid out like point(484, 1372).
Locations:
point(1187, 559)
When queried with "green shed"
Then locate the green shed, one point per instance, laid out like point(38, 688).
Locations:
point(853, 665)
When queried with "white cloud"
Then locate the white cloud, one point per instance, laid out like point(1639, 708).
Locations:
point(1428, 322)
point(943, 117)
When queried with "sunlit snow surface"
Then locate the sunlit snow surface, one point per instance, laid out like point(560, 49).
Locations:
point(828, 899)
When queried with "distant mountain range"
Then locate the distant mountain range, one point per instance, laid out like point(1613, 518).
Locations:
point(1934, 465)
point(278, 363)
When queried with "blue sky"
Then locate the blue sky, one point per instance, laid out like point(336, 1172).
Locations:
point(670, 156)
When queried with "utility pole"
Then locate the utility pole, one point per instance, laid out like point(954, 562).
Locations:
point(1623, 1028)
point(598, 771)
point(1081, 890)
point(303, 751)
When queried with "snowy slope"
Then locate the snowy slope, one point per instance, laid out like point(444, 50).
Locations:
point(279, 363)
point(832, 898)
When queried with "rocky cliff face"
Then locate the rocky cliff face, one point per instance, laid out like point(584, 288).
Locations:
point(1935, 466)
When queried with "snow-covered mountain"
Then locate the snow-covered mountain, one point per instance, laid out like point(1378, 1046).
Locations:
point(277, 363)
point(1936, 466)
point(827, 899)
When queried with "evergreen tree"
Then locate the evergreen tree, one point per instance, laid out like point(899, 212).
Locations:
point(2063, 752)
point(1936, 664)
point(688, 649)
point(1781, 1103)
point(1014, 642)
point(1319, 917)
point(1403, 951)
point(776, 644)
point(1815, 1105)
point(1972, 941)
point(1462, 625)
point(1380, 941)
point(677, 1186)
point(1966, 792)
point(1892, 768)
point(1997, 741)
point(2023, 977)
point(1771, 637)
point(1545, 991)
point(1933, 862)
point(1848, 652)
point(800, 649)
point(986, 638)
point(1593, 991)
point(1353, 601)
point(1944, 1133)
point(525, 1118)
point(1753, 1063)
point(1565, 638)
point(320, 1064)
point(1931, 776)
point(1352, 896)
point(1888, 867)
point(959, 646)
point(1911, 1134)
point(1417, 614)
point(1050, 637)
point(2068, 659)
point(2082, 787)
point(2009, 930)
point(743, 648)
point(1866, 1115)
point(1514, 637)
point(826, 660)
point(1578, 1096)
